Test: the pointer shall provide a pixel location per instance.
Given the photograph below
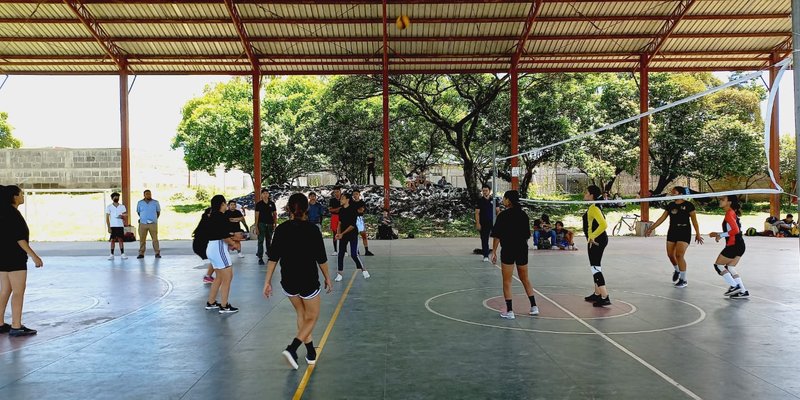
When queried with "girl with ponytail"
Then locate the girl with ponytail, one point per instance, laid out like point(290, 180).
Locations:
point(729, 258)
point(297, 244)
point(594, 227)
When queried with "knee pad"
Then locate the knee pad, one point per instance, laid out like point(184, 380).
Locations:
point(596, 269)
point(732, 271)
point(721, 269)
point(599, 280)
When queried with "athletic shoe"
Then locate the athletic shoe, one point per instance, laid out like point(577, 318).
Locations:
point(602, 302)
point(158, 255)
point(208, 279)
point(485, 259)
point(123, 256)
point(592, 297)
point(536, 247)
point(291, 357)
point(338, 278)
point(241, 255)
point(507, 315)
point(229, 309)
point(214, 306)
point(111, 257)
point(681, 283)
point(22, 331)
point(368, 253)
point(260, 261)
point(312, 360)
point(365, 273)
point(140, 256)
point(675, 276)
point(733, 290)
point(741, 295)
point(334, 253)
point(534, 310)
point(5, 328)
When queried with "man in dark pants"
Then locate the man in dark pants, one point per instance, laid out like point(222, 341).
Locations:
point(485, 210)
point(266, 217)
point(371, 168)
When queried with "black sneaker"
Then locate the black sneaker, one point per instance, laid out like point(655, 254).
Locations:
point(260, 261)
point(368, 253)
point(5, 328)
point(733, 290)
point(22, 331)
point(675, 276)
point(602, 302)
point(741, 295)
point(681, 283)
point(291, 357)
point(229, 309)
point(592, 297)
point(311, 357)
point(210, 306)
point(158, 255)
point(140, 256)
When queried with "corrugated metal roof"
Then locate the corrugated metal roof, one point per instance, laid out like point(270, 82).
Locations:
point(337, 37)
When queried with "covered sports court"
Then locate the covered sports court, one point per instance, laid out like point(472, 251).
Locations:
point(425, 325)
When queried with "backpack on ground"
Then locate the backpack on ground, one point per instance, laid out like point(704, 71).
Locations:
point(751, 232)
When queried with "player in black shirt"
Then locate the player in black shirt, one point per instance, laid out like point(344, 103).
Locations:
point(511, 231)
point(299, 247)
point(14, 250)
point(348, 233)
point(361, 207)
point(236, 219)
point(680, 233)
point(217, 231)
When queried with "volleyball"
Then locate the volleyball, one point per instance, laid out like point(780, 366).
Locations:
point(403, 22)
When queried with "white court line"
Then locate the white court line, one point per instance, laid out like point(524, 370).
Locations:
point(753, 296)
point(617, 345)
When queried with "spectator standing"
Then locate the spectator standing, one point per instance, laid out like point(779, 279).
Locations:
point(116, 213)
point(266, 217)
point(315, 211)
point(149, 210)
point(486, 208)
point(371, 168)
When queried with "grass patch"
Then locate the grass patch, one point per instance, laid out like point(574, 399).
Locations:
point(189, 208)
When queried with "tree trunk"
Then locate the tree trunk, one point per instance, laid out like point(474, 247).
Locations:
point(525, 183)
point(470, 179)
point(663, 181)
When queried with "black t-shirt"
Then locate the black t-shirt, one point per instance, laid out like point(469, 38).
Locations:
point(486, 207)
point(347, 217)
point(371, 162)
point(513, 228)
point(358, 204)
point(334, 203)
point(235, 226)
point(679, 214)
point(14, 228)
point(217, 226)
point(299, 247)
point(265, 211)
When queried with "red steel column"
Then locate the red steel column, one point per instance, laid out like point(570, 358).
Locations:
point(386, 175)
point(644, 138)
point(774, 140)
point(515, 129)
point(125, 153)
point(256, 134)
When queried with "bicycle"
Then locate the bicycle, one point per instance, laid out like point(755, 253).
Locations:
point(624, 220)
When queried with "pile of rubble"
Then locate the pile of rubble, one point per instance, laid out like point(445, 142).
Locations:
point(434, 203)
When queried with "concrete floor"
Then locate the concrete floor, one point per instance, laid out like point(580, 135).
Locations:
point(423, 327)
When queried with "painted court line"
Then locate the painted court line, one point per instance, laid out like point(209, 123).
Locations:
point(617, 345)
point(298, 394)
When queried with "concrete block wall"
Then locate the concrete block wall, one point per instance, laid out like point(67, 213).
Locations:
point(59, 168)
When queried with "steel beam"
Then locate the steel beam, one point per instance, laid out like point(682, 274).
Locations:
point(775, 138)
point(385, 95)
point(243, 37)
point(257, 135)
point(669, 27)
point(125, 154)
point(98, 33)
point(644, 139)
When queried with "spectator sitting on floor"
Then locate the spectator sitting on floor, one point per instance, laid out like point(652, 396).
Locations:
point(564, 237)
point(385, 229)
point(786, 225)
point(543, 236)
point(421, 182)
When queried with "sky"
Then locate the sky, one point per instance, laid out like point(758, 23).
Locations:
point(83, 111)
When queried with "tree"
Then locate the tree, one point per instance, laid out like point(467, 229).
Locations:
point(729, 148)
point(788, 162)
point(7, 141)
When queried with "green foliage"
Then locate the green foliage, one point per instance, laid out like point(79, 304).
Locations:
point(202, 195)
point(7, 141)
point(788, 161)
point(729, 148)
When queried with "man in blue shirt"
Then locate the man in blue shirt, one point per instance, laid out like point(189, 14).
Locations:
point(149, 210)
point(315, 211)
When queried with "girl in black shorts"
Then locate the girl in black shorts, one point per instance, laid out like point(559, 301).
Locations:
point(680, 233)
point(594, 227)
point(734, 247)
point(512, 230)
point(14, 250)
point(298, 245)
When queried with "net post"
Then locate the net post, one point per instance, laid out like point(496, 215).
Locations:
point(644, 138)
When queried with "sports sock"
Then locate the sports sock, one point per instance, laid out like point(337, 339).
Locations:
point(508, 305)
point(295, 344)
point(676, 268)
point(533, 301)
point(739, 282)
point(682, 275)
point(310, 350)
point(729, 279)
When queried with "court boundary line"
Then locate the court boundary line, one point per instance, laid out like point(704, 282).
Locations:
point(301, 387)
point(614, 343)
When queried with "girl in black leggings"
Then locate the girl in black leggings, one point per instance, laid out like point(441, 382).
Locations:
point(594, 227)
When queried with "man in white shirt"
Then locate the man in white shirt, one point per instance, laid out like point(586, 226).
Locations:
point(115, 221)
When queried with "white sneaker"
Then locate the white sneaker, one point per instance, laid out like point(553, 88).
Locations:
point(534, 310)
point(111, 257)
point(338, 278)
point(334, 254)
point(535, 247)
point(508, 315)
point(485, 259)
point(365, 273)
point(123, 256)
point(241, 255)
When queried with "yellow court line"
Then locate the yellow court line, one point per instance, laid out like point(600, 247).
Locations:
point(307, 376)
